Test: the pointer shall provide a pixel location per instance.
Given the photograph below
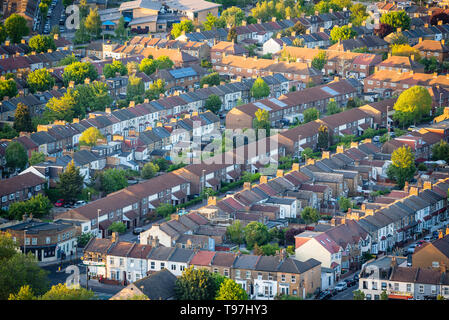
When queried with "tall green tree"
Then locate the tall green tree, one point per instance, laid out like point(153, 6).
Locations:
point(90, 136)
point(210, 23)
point(116, 66)
point(358, 295)
point(22, 119)
point(232, 34)
point(402, 168)
point(113, 180)
point(120, 30)
point(332, 107)
point(440, 151)
point(323, 138)
point(310, 114)
point(149, 170)
point(233, 16)
point(345, 204)
point(16, 27)
point(396, 19)
point(320, 60)
point(18, 269)
point(184, 26)
point(135, 89)
point(310, 215)
point(81, 34)
point(212, 79)
point(148, 66)
point(164, 62)
point(63, 108)
point(16, 156)
point(412, 105)
point(78, 72)
point(342, 33)
point(213, 103)
point(195, 284)
point(230, 290)
point(256, 232)
point(36, 157)
point(235, 232)
point(93, 23)
point(62, 292)
point(117, 226)
point(70, 184)
point(40, 80)
point(40, 43)
point(3, 33)
point(358, 14)
point(260, 89)
point(8, 88)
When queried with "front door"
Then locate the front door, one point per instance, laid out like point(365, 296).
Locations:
point(39, 255)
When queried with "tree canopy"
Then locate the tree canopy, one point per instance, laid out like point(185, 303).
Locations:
point(342, 33)
point(310, 215)
point(256, 232)
point(230, 290)
point(396, 19)
point(16, 27)
point(22, 119)
point(402, 168)
point(40, 80)
point(260, 89)
point(78, 72)
point(90, 136)
point(412, 105)
point(185, 26)
point(116, 66)
point(40, 43)
point(16, 156)
point(195, 284)
point(70, 184)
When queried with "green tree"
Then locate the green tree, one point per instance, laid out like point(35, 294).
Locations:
point(310, 215)
point(185, 26)
point(69, 59)
point(120, 30)
point(81, 34)
point(135, 89)
point(212, 79)
point(383, 295)
point(358, 14)
point(260, 89)
point(233, 16)
point(84, 238)
point(213, 103)
point(332, 107)
point(402, 168)
point(17, 270)
point(345, 204)
point(16, 27)
point(55, 30)
point(323, 138)
point(261, 121)
point(70, 184)
point(62, 108)
point(25, 293)
point(307, 153)
point(16, 156)
point(113, 180)
point(40, 43)
point(440, 151)
point(396, 19)
point(38, 205)
point(148, 66)
point(232, 34)
point(342, 33)
point(90, 136)
point(62, 292)
point(358, 295)
point(36, 157)
point(117, 226)
point(156, 89)
point(116, 66)
point(40, 80)
point(164, 210)
point(78, 72)
point(320, 60)
point(235, 232)
point(93, 23)
point(210, 23)
point(3, 33)
point(164, 62)
point(412, 105)
point(8, 88)
point(256, 232)
point(22, 119)
point(84, 9)
point(149, 170)
point(269, 249)
point(405, 50)
point(132, 67)
point(67, 3)
point(195, 284)
point(230, 290)
point(310, 114)
point(161, 163)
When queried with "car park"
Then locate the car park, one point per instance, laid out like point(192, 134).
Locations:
point(341, 286)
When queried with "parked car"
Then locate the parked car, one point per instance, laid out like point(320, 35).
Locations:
point(341, 286)
point(419, 243)
point(59, 203)
point(137, 230)
point(350, 282)
point(332, 291)
point(356, 277)
point(324, 295)
point(79, 203)
point(376, 139)
point(428, 238)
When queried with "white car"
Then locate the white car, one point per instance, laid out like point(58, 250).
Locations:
point(411, 249)
point(79, 203)
point(341, 286)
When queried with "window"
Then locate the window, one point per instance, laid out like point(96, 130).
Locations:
point(435, 264)
point(248, 274)
point(409, 287)
point(162, 265)
point(111, 261)
point(283, 278)
point(11, 196)
point(5, 198)
point(396, 286)
point(152, 265)
point(293, 279)
point(47, 240)
point(173, 267)
point(34, 241)
point(237, 273)
point(421, 288)
point(374, 285)
point(215, 270)
point(38, 188)
point(433, 289)
point(182, 268)
point(226, 272)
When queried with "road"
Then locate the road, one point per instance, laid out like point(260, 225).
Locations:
point(346, 294)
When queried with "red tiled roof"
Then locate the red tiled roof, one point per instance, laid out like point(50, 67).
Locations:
point(202, 258)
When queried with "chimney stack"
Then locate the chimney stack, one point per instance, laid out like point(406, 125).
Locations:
point(115, 237)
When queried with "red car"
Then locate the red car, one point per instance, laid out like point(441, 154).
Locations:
point(59, 203)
